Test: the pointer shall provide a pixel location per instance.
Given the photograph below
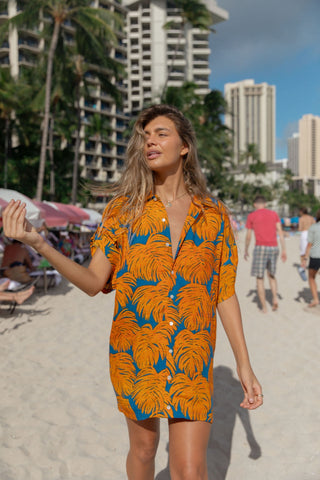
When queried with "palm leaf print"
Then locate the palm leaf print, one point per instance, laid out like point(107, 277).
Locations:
point(208, 227)
point(194, 262)
point(124, 328)
point(195, 306)
point(122, 373)
point(149, 392)
point(125, 407)
point(150, 345)
point(151, 221)
point(192, 351)
point(150, 261)
point(125, 285)
point(191, 395)
point(154, 300)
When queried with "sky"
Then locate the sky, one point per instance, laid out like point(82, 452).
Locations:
point(273, 41)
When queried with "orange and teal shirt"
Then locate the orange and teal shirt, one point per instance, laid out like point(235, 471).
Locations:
point(163, 333)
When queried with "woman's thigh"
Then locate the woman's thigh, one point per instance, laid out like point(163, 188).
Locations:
point(188, 443)
point(144, 434)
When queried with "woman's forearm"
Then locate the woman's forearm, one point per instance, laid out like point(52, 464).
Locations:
point(230, 315)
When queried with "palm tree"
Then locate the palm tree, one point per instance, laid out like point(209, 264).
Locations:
point(13, 96)
point(192, 12)
point(93, 24)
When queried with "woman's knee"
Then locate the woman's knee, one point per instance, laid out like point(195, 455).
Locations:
point(189, 470)
point(144, 439)
point(145, 449)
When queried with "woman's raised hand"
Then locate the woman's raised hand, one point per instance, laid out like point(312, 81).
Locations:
point(15, 224)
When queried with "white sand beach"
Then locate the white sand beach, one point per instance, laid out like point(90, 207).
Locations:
point(58, 414)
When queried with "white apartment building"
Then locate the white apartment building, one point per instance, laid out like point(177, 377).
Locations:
point(309, 147)
point(293, 154)
point(152, 54)
point(100, 160)
point(251, 117)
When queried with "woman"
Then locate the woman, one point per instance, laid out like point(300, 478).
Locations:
point(313, 251)
point(167, 248)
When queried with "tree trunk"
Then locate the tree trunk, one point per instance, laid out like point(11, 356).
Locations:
point(51, 156)
point(6, 151)
point(46, 118)
point(76, 151)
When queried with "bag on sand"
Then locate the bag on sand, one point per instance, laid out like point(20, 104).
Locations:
point(18, 274)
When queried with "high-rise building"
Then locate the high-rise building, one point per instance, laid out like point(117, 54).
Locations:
point(251, 117)
point(100, 160)
point(309, 147)
point(293, 154)
point(160, 57)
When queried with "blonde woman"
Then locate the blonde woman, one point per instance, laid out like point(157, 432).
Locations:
point(167, 248)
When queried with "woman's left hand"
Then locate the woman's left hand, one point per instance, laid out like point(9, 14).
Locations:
point(253, 396)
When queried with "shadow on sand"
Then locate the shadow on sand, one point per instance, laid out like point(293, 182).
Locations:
point(227, 398)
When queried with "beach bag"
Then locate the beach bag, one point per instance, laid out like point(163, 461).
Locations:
point(18, 274)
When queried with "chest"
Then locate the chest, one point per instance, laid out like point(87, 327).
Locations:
point(177, 215)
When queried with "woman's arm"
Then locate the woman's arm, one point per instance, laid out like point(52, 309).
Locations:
point(91, 280)
point(230, 315)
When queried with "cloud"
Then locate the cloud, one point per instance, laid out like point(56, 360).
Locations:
point(262, 34)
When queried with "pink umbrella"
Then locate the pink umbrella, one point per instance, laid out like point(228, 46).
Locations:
point(52, 216)
point(75, 214)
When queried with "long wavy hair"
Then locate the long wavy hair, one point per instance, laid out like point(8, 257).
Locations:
point(137, 180)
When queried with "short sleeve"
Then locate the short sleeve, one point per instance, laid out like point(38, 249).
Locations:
point(228, 262)
point(105, 238)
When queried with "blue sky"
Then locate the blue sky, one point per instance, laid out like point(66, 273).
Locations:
point(275, 41)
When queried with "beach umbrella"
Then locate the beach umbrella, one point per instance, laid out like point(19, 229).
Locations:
point(53, 218)
point(33, 212)
point(94, 217)
point(76, 215)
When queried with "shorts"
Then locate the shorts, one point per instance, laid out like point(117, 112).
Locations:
point(264, 258)
point(303, 242)
point(314, 263)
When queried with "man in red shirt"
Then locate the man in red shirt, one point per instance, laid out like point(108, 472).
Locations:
point(266, 225)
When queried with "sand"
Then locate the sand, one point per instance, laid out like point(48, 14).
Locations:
point(58, 415)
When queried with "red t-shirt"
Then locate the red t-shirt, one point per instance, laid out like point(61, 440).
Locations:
point(263, 223)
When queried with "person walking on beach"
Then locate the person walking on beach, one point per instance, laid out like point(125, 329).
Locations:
point(167, 248)
point(305, 222)
point(266, 225)
point(313, 251)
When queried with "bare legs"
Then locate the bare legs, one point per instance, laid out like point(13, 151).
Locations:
point(18, 297)
point(313, 287)
point(188, 443)
point(262, 293)
point(144, 439)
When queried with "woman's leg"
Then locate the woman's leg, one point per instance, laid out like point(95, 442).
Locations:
point(188, 442)
point(313, 287)
point(144, 439)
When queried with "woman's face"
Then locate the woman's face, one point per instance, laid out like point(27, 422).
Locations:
point(163, 147)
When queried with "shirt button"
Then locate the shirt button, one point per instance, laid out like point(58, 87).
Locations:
point(155, 199)
point(169, 378)
point(170, 323)
point(163, 219)
point(172, 272)
point(167, 244)
point(171, 296)
point(168, 407)
point(170, 350)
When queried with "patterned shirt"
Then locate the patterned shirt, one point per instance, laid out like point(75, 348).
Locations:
point(164, 327)
point(314, 238)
